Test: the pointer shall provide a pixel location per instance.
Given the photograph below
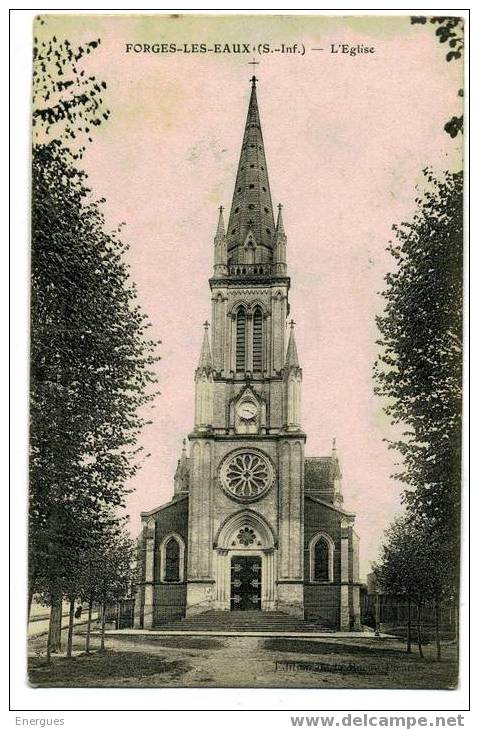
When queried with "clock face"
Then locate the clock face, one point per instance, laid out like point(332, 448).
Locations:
point(247, 410)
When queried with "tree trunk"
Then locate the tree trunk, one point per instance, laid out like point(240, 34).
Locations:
point(49, 638)
point(30, 600)
point(377, 618)
point(71, 618)
point(55, 626)
point(88, 626)
point(437, 609)
point(103, 622)
point(409, 625)
point(419, 635)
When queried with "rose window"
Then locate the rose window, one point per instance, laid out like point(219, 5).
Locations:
point(246, 475)
point(246, 536)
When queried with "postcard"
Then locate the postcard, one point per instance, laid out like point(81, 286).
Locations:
point(246, 351)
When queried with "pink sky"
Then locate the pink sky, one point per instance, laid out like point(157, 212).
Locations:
point(345, 139)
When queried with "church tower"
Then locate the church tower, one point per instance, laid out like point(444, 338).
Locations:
point(247, 446)
point(253, 524)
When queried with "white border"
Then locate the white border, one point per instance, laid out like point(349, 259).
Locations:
point(69, 702)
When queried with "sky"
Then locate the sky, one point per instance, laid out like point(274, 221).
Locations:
point(346, 140)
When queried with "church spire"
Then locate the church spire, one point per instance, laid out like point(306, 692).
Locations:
point(251, 208)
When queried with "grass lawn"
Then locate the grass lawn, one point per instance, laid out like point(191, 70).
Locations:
point(188, 661)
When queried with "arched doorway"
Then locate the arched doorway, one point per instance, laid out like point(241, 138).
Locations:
point(245, 565)
point(246, 583)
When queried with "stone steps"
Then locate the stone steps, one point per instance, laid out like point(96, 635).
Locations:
point(242, 621)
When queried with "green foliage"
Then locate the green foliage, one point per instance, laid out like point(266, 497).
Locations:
point(91, 358)
point(419, 368)
point(414, 562)
point(449, 30)
point(67, 103)
point(108, 565)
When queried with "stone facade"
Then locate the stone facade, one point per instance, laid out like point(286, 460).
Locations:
point(246, 491)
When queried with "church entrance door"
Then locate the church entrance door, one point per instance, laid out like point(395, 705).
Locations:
point(245, 583)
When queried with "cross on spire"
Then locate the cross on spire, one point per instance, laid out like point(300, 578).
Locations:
point(206, 324)
point(292, 323)
point(254, 78)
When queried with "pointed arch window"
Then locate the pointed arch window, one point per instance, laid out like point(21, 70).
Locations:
point(241, 340)
point(258, 340)
point(321, 553)
point(172, 555)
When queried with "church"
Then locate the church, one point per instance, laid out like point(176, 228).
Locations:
point(254, 524)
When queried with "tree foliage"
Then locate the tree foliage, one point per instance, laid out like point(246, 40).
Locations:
point(449, 30)
point(419, 368)
point(92, 362)
point(67, 102)
point(415, 564)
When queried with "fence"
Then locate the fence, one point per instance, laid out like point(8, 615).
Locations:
point(393, 612)
point(120, 614)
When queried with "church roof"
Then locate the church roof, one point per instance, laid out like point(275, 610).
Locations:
point(172, 503)
point(321, 471)
point(251, 208)
point(329, 505)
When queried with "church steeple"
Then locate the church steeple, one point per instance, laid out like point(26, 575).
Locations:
point(250, 284)
point(251, 208)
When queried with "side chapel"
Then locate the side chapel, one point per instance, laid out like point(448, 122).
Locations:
point(254, 524)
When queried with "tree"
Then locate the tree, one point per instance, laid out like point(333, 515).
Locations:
point(114, 574)
point(67, 102)
point(449, 30)
point(91, 359)
point(414, 565)
point(395, 571)
point(419, 367)
point(107, 571)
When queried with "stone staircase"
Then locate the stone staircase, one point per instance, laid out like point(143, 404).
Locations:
point(243, 622)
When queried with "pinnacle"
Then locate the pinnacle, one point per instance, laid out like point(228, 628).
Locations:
point(220, 230)
point(279, 223)
point(206, 361)
point(292, 360)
